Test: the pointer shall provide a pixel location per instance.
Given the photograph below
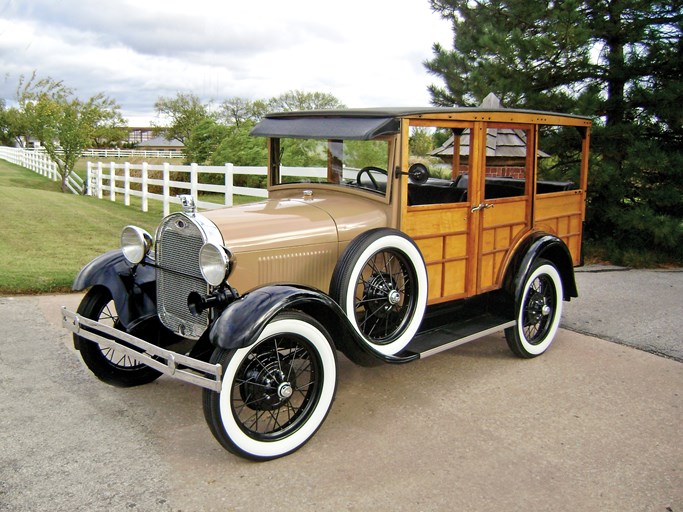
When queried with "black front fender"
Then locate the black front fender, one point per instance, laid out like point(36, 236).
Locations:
point(133, 290)
point(241, 323)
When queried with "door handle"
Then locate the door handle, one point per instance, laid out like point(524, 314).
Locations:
point(481, 206)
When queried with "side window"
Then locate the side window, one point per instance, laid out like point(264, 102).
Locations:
point(445, 152)
point(508, 161)
point(559, 158)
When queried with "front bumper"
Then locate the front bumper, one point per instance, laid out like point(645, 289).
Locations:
point(173, 364)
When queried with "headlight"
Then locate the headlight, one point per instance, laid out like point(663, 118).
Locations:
point(214, 262)
point(135, 244)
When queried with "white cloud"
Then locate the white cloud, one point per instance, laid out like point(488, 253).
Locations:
point(366, 53)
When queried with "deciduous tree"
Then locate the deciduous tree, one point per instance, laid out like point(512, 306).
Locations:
point(185, 111)
point(64, 124)
point(226, 132)
point(302, 100)
point(204, 140)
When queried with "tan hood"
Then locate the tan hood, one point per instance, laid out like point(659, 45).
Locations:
point(273, 224)
point(287, 222)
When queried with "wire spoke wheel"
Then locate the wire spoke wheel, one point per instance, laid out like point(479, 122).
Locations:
point(385, 296)
point(116, 358)
point(277, 384)
point(109, 364)
point(380, 282)
point(276, 392)
point(539, 309)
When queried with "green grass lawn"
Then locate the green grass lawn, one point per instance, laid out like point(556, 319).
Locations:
point(47, 236)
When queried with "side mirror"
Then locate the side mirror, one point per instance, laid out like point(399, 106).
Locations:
point(418, 173)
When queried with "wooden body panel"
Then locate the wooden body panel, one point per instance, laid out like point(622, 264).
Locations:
point(503, 226)
point(467, 252)
point(561, 214)
point(442, 236)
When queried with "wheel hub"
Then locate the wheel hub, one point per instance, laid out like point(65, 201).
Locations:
point(285, 390)
point(268, 383)
point(538, 308)
point(381, 294)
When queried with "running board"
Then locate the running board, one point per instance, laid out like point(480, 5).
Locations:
point(451, 335)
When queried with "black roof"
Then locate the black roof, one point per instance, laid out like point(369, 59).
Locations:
point(327, 127)
point(358, 123)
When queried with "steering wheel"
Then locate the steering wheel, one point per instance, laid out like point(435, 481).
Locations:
point(367, 170)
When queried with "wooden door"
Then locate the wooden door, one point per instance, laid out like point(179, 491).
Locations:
point(502, 201)
point(437, 214)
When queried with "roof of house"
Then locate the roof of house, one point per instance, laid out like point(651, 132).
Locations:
point(161, 142)
point(500, 142)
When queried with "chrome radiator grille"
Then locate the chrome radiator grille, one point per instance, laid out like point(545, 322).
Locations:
point(179, 240)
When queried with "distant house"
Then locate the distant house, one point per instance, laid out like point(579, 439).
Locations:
point(137, 134)
point(505, 148)
point(160, 143)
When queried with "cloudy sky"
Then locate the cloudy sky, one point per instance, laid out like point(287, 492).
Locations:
point(365, 52)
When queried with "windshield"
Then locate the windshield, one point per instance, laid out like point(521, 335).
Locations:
point(349, 163)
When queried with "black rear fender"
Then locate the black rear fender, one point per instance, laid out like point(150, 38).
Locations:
point(546, 246)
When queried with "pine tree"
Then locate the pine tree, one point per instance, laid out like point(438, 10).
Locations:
point(620, 61)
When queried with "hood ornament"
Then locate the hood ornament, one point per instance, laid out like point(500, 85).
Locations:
point(188, 204)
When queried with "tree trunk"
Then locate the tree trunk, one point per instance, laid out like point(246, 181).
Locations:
point(615, 107)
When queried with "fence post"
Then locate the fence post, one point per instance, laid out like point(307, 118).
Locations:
point(126, 183)
point(167, 188)
point(99, 180)
point(229, 189)
point(112, 181)
point(193, 181)
point(52, 168)
point(88, 178)
point(144, 187)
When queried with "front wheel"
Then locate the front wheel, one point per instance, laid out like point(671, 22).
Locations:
point(276, 392)
point(108, 364)
point(539, 309)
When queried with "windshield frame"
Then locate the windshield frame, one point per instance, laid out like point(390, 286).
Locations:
point(275, 166)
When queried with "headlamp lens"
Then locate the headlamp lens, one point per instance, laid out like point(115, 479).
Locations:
point(135, 244)
point(214, 262)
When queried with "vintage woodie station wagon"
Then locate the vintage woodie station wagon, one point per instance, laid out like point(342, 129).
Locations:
point(367, 245)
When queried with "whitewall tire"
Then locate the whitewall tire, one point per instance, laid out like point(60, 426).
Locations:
point(276, 392)
point(538, 310)
point(381, 284)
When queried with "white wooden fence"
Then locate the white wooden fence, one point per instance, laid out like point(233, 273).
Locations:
point(128, 153)
point(153, 181)
point(39, 162)
point(106, 180)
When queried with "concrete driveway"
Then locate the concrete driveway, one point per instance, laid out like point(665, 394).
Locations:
point(639, 308)
point(590, 425)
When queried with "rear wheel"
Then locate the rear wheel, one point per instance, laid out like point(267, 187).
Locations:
point(108, 364)
point(276, 392)
point(539, 309)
